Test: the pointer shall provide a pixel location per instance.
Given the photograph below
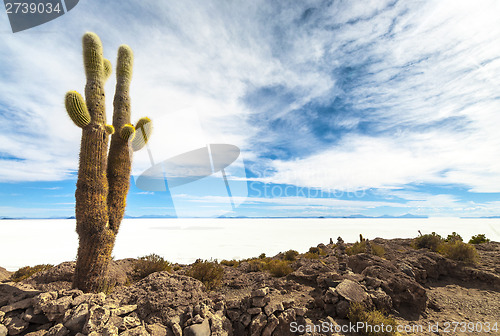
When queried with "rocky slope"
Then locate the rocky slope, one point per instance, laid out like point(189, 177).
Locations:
point(418, 287)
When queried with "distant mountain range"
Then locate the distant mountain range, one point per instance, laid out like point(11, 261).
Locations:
point(169, 216)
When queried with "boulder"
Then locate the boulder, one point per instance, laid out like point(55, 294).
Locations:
point(4, 274)
point(97, 319)
point(260, 292)
point(31, 317)
point(351, 291)
point(257, 325)
point(23, 304)
point(55, 309)
point(12, 292)
point(201, 329)
point(123, 310)
point(138, 331)
point(407, 295)
point(272, 323)
point(3, 330)
point(284, 319)
point(157, 329)
point(58, 330)
point(342, 309)
point(15, 325)
point(42, 332)
point(162, 295)
point(42, 300)
point(75, 319)
point(260, 301)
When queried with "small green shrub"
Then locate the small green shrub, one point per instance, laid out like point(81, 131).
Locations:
point(311, 255)
point(149, 264)
point(314, 250)
point(262, 256)
point(256, 265)
point(460, 251)
point(27, 271)
point(360, 247)
point(279, 268)
point(208, 272)
point(374, 320)
point(479, 239)
point(453, 237)
point(430, 241)
point(291, 255)
point(230, 263)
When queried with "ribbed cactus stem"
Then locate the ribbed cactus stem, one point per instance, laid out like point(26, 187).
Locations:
point(92, 55)
point(77, 109)
point(124, 63)
point(143, 129)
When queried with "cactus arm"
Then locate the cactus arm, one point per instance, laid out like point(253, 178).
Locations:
point(110, 129)
point(144, 128)
point(127, 132)
point(120, 157)
point(108, 69)
point(77, 109)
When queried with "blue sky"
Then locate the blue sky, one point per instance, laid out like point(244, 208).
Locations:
point(338, 107)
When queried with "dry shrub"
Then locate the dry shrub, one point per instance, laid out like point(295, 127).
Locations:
point(208, 272)
point(27, 271)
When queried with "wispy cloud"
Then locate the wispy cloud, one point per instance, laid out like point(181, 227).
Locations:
point(335, 95)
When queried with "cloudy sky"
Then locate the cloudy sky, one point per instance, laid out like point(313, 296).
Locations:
point(338, 107)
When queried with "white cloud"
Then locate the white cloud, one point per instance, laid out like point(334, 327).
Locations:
point(425, 62)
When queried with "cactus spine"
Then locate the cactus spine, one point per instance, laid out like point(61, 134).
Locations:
point(103, 178)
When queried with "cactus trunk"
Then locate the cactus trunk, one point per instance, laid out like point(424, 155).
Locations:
point(103, 179)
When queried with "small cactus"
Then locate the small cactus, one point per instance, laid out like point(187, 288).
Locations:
point(103, 176)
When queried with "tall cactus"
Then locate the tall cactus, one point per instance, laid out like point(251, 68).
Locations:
point(103, 178)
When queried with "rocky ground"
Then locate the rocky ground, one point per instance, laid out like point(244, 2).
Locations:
point(420, 289)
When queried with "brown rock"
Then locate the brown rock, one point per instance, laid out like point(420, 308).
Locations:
point(202, 329)
point(3, 330)
point(31, 317)
point(37, 333)
point(260, 292)
point(257, 325)
point(158, 330)
point(58, 330)
point(272, 323)
point(351, 291)
point(42, 300)
point(254, 310)
point(284, 319)
point(56, 309)
point(23, 304)
point(138, 331)
point(97, 318)
point(76, 318)
point(124, 310)
point(260, 301)
point(15, 325)
point(162, 295)
point(342, 309)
